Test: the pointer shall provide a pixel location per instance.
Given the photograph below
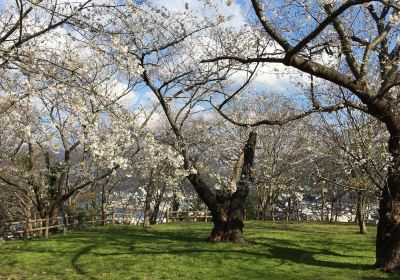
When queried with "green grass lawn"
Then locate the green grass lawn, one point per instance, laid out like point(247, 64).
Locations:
point(178, 251)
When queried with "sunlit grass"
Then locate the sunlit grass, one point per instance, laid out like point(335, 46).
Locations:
point(179, 251)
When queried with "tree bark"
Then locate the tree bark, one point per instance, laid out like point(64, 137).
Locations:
point(2, 230)
point(148, 200)
point(175, 202)
point(146, 212)
point(156, 210)
point(361, 199)
point(388, 232)
point(228, 210)
point(273, 212)
point(323, 205)
point(297, 210)
point(288, 213)
point(332, 218)
point(103, 205)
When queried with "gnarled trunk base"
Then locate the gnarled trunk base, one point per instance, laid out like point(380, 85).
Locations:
point(227, 233)
point(227, 210)
point(388, 232)
point(228, 222)
point(388, 235)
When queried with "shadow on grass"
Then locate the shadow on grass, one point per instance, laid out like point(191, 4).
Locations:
point(278, 249)
point(81, 253)
point(188, 241)
point(308, 257)
point(308, 244)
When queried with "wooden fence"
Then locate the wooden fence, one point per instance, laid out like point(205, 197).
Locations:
point(26, 226)
point(42, 226)
point(171, 216)
point(163, 217)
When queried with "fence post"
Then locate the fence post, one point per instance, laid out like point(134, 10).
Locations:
point(113, 218)
point(36, 225)
point(206, 215)
point(46, 230)
point(92, 218)
point(26, 229)
point(187, 214)
point(131, 219)
point(66, 223)
point(167, 216)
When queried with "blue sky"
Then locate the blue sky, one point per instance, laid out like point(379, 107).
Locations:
point(266, 79)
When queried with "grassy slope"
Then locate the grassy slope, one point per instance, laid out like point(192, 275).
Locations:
point(178, 251)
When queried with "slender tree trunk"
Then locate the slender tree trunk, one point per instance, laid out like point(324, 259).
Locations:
point(147, 210)
point(388, 232)
point(323, 204)
point(271, 203)
point(149, 197)
point(259, 211)
point(338, 207)
point(332, 218)
point(361, 197)
point(175, 202)
point(154, 214)
point(297, 210)
point(2, 230)
point(273, 212)
point(288, 209)
point(264, 212)
point(228, 210)
point(265, 208)
point(103, 205)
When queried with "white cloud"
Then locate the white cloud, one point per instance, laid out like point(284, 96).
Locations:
point(202, 11)
point(273, 77)
point(129, 100)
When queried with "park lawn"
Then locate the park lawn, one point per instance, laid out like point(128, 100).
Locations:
point(178, 251)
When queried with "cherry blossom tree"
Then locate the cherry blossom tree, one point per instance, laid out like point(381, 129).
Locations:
point(362, 37)
point(356, 142)
point(169, 54)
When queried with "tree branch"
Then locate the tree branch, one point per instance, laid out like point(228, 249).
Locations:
point(286, 120)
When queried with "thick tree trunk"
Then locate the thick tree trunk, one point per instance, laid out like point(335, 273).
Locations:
point(221, 219)
point(388, 232)
point(228, 210)
point(361, 197)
